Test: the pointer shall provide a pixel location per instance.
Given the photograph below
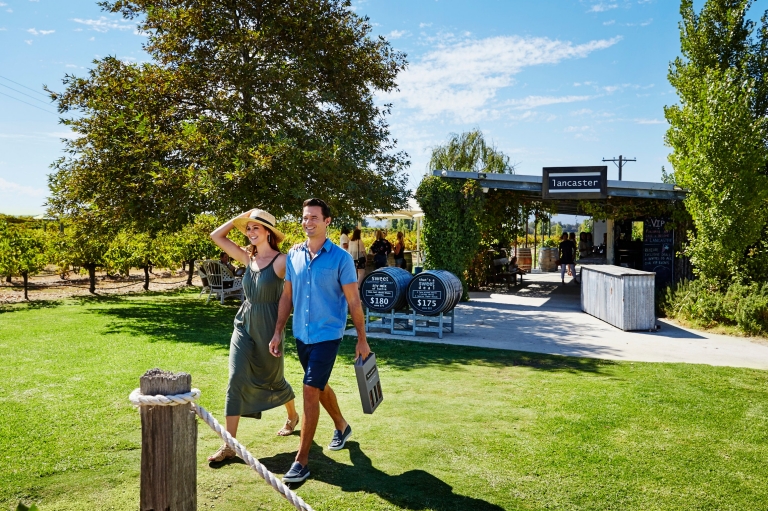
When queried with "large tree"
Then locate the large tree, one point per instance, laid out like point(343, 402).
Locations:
point(244, 103)
point(718, 134)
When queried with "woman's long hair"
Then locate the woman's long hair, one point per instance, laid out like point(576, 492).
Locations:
point(355, 235)
point(271, 239)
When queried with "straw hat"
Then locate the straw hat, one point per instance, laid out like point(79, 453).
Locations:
point(261, 217)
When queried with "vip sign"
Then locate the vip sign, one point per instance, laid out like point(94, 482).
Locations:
point(574, 182)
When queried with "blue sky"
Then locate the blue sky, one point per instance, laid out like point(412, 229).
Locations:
point(551, 83)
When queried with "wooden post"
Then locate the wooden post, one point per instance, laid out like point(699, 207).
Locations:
point(168, 446)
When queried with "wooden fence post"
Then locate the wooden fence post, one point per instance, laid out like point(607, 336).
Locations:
point(168, 446)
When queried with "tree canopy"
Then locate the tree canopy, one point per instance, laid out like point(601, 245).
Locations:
point(244, 103)
point(718, 134)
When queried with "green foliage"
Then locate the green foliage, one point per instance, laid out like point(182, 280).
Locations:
point(704, 304)
point(469, 152)
point(193, 242)
point(22, 507)
point(451, 229)
point(718, 134)
point(242, 102)
point(22, 251)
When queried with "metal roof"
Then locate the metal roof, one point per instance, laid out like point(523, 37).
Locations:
point(532, 185)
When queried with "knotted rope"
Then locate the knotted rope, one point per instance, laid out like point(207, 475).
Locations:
point(139, 399)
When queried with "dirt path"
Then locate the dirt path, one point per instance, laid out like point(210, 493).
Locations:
point(50, 286)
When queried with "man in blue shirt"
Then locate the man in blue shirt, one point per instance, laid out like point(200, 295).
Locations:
point(320, 281)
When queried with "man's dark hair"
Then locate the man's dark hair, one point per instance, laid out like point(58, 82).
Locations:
point(321, 204)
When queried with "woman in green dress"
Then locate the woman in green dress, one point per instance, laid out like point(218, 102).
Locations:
point(256, 379)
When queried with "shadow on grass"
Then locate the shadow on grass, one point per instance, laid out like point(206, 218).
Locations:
point(182, 317)
point(166, 316)
point(405, 356)
point(415, 489)
point(32, 304)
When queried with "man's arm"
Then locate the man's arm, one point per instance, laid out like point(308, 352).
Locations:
point(352, 295)
point(283, 311)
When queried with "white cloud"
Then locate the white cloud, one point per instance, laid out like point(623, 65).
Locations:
point(40, 32)
point(532, 102)
point(583, 111)
point(650, 121)
point(3, 29)
point(576, 129)
point(396, 34)
point(3, 4)
point(34, 0)
point(28, 41)
point(606, 23)
point(423, 25)
point(104, 24)
point(17, 189)
point(461, 78)
point(9, 10)
point(601, 7)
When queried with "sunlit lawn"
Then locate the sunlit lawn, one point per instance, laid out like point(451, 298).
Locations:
point(460, 428)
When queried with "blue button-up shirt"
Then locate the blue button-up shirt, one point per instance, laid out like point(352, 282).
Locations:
point(319, 304)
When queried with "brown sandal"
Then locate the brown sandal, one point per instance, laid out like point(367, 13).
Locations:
point(225, 452)
point(290, 425)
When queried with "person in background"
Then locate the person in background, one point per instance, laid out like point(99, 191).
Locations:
point(344, 238)
point(567, 252)
point(584, 249)
point(572, 238)
point(399, 251)
point(380, 249)
point(224, 259)
point(357, 251)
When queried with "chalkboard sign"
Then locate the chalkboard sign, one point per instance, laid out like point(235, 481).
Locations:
point(658, 250)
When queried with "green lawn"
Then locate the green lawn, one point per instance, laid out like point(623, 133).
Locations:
point(460, 428)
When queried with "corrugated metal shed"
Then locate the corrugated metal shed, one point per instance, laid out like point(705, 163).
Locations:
point(622, 297)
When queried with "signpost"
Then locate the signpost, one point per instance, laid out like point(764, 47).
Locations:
point(574, 183)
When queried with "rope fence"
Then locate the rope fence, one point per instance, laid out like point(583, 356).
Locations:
point(138, 399)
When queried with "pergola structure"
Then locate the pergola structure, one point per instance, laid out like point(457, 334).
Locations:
point(533, 187)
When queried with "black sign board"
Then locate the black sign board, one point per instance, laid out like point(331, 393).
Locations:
point(574, 182)
point(426, 294)
point(378, 292)
point(658, 250)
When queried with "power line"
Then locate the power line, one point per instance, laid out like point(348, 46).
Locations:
point(21, 85)
point(24, 94)
point(30, 104)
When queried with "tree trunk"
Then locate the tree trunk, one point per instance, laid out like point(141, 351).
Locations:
point(191, 272)
point(25, 275)
point(168, 446)
point(146, 277)
point(8, 279)
point(91, 267)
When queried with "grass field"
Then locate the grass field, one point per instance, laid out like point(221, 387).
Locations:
point(460, 428)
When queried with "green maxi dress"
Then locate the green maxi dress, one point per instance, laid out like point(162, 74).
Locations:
point(256, 378)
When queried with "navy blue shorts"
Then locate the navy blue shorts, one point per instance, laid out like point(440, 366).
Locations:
point(317, 359)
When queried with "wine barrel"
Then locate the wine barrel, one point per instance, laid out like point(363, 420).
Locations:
point(384, 289)
point(434, 291)
point(524, 258)
point(547, 258)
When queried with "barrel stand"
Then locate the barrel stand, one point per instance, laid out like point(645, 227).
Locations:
point(410, 322)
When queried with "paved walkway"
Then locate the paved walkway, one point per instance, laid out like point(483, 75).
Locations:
point(542, 316)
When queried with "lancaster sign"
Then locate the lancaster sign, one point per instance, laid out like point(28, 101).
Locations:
point(574, 183)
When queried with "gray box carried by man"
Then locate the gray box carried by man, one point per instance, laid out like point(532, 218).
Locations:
point(368, 383)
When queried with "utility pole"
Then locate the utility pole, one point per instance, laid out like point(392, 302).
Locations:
point(620, 162)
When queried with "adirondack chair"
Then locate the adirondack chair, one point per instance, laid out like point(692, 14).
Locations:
point(222, 282)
